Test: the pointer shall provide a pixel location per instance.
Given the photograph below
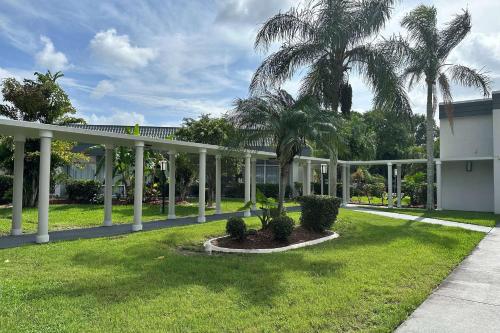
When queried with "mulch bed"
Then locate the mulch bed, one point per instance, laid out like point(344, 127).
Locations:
point(263, 239)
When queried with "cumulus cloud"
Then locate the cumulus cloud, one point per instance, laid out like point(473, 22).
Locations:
point(102, 89)
point(117, 50)
point(117, 117)
point(49, 58)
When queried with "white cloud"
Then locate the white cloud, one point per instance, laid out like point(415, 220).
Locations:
point(116, 50)
point(49, 58)
point(116, 118)
point(102, 89)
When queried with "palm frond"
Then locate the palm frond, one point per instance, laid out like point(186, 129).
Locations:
point(456, 30)
point(444, 87)
point(469, 77)
point(421, 24)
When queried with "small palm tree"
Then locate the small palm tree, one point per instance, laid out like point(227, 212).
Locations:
point(332, 39)
point(287, 122)
point(424, 57)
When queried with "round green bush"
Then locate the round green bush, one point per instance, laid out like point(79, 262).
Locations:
point(282, 227)
point(319, 212)
point(236, 228)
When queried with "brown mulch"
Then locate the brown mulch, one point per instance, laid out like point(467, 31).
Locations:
point(263, 239)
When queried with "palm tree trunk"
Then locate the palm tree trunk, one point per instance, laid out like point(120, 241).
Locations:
point(332, 174)
point(430, 147)
point(283, 182)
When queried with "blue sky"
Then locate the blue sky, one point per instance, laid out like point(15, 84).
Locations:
point(156, 62)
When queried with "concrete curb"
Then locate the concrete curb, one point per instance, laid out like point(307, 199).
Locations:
point(209, 247)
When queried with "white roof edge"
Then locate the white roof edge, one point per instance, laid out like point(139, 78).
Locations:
point(470, 100)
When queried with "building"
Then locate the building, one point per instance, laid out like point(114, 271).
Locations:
point(470, 155)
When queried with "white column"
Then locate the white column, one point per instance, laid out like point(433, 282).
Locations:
point(171, 185)
point(398, 185)
point(202, 176)
point(438, 186)
point(344, 185)
point(389, 185)
point(218, 176)
point(44, 187)
point(17, 192)
point(321, 179)
point(138, 188)
point(108, 182)
point(348, 182)
point(247, 182)
point(253, 195)
point(308, 176)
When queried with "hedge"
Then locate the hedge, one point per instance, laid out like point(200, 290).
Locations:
point(83, 191)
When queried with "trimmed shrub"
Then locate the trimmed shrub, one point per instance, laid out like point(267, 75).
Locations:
point(236, 228)
point(6, 183)
point(282, 227)
point(83, 191)
point(319, 212)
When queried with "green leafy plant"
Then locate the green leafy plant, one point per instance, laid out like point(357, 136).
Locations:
point(268, 206)
point(319, 212)
point(83, 191)
point(236, 228)
point(282, 227)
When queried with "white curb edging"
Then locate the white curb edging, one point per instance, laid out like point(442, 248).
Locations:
point(209, 247)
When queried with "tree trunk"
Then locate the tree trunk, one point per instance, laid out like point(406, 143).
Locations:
point(285, 169)
point(430, 147)
point(332, 174)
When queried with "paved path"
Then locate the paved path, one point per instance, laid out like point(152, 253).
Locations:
point(115, 230)
point(468, 300)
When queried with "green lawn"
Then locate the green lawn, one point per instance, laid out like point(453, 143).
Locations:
point(369, 279)
point(80, 216)
point(479, 218)
point(376, 200)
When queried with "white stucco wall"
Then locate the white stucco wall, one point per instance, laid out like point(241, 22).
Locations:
point(472, 137)
point(468, 191)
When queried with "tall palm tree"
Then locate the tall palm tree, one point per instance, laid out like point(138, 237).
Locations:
point(287, 122)
point(332, 39)
point(424, 56)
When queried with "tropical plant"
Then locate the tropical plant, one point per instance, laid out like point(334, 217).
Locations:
point(333, 38)
point(268, 208)
point(424, 55)
point(40, 100)
point(287, 123)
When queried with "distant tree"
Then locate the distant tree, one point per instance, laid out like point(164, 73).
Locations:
point(40, 100)
point(214, 131)
point(425, 59)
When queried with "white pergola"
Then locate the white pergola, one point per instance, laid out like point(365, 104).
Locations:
point(21, 130)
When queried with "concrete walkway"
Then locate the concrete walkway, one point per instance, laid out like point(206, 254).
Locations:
point(115, 230)
point(468, 300)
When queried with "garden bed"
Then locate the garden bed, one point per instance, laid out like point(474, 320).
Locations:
point(263, 241)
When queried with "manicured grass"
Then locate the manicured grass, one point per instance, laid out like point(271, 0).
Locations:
point(369, 279)
point(81, 216)
point(479, 218)
point(376, 200)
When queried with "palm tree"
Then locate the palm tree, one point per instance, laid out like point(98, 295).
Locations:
point(424, 57)
point(288, 123)
point(332, 38)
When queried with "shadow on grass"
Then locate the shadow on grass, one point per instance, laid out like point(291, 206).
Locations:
point(150, 267)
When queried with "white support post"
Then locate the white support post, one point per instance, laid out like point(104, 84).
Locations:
point(218, 176)
point(321, 180)
point(247, 182)
point(108, 188)
point(438, 186)
point(138, 188)
point(389, 185)
point(344, 185)
point(17, 192)
point(253, 195)
point(171, 185)
point(398, 185)
point(348, 182)
point(44, 187)
point(308, 176)
point(202, 177)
